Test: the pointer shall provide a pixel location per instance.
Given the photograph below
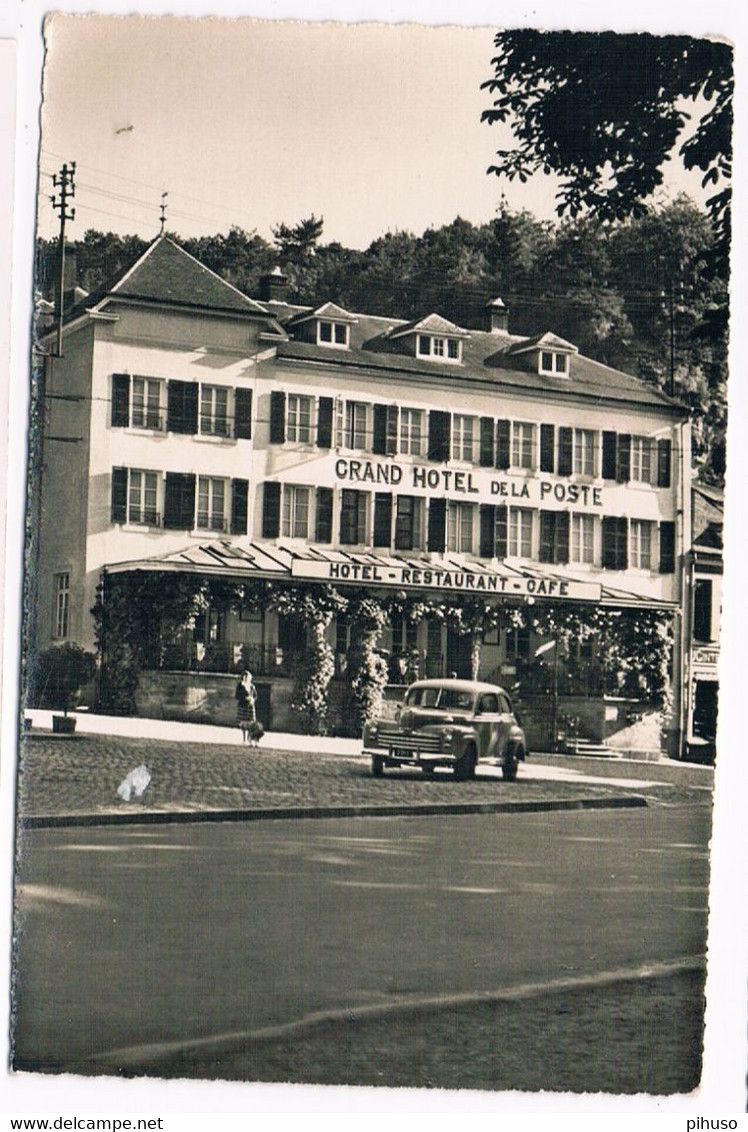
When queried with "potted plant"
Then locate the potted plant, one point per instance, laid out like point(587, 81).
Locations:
point(59, 674)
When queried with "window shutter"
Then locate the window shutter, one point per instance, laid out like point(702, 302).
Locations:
point(243, 414)
point(547, 446)
point(439, 436)
point(610, 455)
point(120, 400)
point(503, 448)
point(379, 445)
point(383, 518)
point(437, 525)
point(323, 524)
point(119, 495)
point(609, 542)
point(702, 610)
point(239, 498)
point(664, 458)
point(487, 442)
point(271, 506)
point(667, 548)
point(349, 516)
point(623, 471)
point(182, 407)
point(487, 516)
point(277, 417)
point(501, 538)
point(393, 417)
point(565, 451)
point(405, 520)
point(563, 526)
point(615, 543)
point(547, 535)
point(324, 427)
point(179, 501)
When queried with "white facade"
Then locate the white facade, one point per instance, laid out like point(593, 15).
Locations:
point(330, 446)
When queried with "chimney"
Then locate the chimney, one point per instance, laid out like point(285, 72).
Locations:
point(273, 287)
point(496, 317)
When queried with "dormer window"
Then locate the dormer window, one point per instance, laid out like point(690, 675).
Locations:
point(554, 363)
point(440, 348)
point(333, 334)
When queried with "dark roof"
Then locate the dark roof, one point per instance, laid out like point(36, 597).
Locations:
point(707, 516)
point(485, 358)
point(167, 273)
point(327, 310)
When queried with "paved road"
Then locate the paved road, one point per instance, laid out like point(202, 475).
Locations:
point(80, 776)
point(134, 936)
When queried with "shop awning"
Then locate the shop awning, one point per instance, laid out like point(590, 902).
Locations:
point(448, 573)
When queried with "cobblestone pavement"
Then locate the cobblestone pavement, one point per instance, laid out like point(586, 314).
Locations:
point(79, 775)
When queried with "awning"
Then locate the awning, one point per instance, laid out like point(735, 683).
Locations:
point(447, 573)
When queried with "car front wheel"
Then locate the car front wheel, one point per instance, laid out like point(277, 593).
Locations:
point(377, 766)
point(464, 767)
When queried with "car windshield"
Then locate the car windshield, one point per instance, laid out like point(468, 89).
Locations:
point(444, 699)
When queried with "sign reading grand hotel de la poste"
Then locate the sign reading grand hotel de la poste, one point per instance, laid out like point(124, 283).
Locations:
point(482, 485)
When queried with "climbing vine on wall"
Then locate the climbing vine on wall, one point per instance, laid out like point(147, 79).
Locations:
point(367, 670)
point(316, 606)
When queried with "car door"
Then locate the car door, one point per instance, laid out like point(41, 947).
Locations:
point(487, 724)
point(506, 722)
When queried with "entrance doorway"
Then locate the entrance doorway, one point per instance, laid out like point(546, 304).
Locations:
point(458, 654)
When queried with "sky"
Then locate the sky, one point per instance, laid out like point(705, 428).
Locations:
point(375, 130)
point(247, 122)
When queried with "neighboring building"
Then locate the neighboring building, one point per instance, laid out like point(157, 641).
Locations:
point(701, 623)
point(274, 445)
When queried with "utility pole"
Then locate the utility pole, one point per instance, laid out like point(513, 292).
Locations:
point(163, 213)
point(65, 182)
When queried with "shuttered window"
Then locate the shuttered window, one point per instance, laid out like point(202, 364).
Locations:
point(295, 511)
point(179, 501)
point(494, 531)
point(547, 447)
point(503, 444)
point(437, 525)
point(239, 503)
point(439, 436)
point(623, 471)
point(487, 442)
point(120, 400)
point(610, 455)
point(323, 523)
point(383, 519)
point(554, 536)
point(565, 451)
point(277, 417)
point(119, 495)
point(385, 430)
point(664, 460)
point(667, 548)
point(243, 414)
point(324, 423)
point(409, 523)
point(182, 407)
point(615, 543)
point(353, 517)
point(299, 418)
point(271, 502)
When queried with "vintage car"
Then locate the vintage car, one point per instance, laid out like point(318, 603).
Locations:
point(450, 723)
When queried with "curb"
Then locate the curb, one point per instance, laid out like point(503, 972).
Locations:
point(150, 1059)
point(159, 817)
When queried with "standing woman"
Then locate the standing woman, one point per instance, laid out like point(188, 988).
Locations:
point(246, 696)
